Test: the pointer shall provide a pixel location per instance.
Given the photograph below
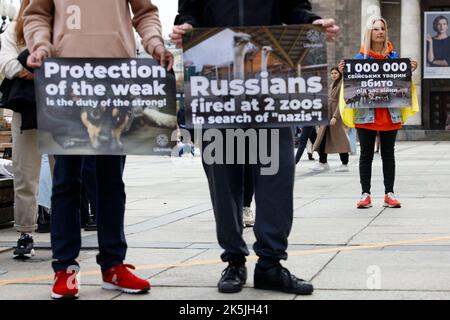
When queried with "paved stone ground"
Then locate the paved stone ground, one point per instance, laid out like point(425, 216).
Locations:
point(347, 253)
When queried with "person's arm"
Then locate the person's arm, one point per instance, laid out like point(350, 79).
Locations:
point(430, 54)
point(38, 25)
point(147, 23)
point(10, 67)
point(189, 16)
point(190, 12)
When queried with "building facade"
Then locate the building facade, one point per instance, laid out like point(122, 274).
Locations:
point(406, 30)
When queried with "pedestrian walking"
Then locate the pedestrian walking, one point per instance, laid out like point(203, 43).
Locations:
point(332, 137)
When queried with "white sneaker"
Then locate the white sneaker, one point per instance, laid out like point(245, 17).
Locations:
point(321, 167)
point(343, 168)
point(249, 217)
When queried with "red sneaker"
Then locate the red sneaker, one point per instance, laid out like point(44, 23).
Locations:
point(65, 285)
point(390, 200)
point(365, 202)
point(120, 278)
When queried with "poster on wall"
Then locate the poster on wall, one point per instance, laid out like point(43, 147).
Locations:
point(243, 77)
point(437, 45)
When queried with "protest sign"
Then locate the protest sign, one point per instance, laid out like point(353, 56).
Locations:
point(256, 77)
point(380, 83)
point(105, 106)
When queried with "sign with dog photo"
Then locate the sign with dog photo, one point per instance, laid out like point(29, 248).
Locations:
point(256, 77)
point(105, 107)
point(377, 83)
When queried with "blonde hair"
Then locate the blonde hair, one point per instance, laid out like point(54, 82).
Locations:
point(20, 38)
point(367, 44)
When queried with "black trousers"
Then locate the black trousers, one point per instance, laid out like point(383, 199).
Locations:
point(310, 133)
point(387, 143)
point(88, 206)
point(65, 217)
point(274, 204)
point(249, 189)
point(324, 157)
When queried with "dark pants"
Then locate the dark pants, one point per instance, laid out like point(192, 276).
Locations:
point(249, 189)
point(88, 206)
point(387, 142)
point(65, 218)
point(324, 157)
point(274, 205)
point(310, 133)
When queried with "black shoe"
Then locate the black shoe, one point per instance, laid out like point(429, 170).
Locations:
point(277, 278)
point(25, 247)
point(43, 220)
point(233, 278)
point(310, 157)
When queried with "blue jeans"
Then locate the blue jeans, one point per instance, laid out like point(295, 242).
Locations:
point(65, 217)
point(352, 138)
point(45, 183)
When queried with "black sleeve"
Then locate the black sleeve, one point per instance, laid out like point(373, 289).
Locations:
point(297, 12)
point(189, 11)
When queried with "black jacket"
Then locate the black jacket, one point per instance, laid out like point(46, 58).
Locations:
point(228, 13)
point(19, 96)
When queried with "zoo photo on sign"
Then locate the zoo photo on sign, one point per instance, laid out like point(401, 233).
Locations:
point(105, 106)
point(255, 77)
point(381, 83)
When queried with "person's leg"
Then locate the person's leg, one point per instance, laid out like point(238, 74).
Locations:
point(248, 185)
point(313, 135)
point(387, 143)
point(344, 158)
point(26, 167)
point(274, 203)
point(306, 133)
point(89, 182)
point(367, 143)
point(323, 156)
point(352, 139)
point(44, 196)
point(45, 183)
point(226, 190)
point(65, 217)
point(274, 212)
point(110, 211)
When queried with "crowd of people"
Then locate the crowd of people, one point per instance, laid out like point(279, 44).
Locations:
point(42, 30)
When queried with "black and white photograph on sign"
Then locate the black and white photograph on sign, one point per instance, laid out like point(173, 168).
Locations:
point(380, 83)
point(437, 45)
point(256, 77)
point(105, 107)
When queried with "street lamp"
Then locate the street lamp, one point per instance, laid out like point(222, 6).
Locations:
point(8, 11)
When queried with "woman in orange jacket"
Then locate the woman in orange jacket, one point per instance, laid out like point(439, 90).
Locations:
point(386, 121)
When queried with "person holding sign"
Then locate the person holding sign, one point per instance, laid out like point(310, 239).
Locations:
point(438, 53)
point(274, 193)
point(60, 29)
point(369, 121)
